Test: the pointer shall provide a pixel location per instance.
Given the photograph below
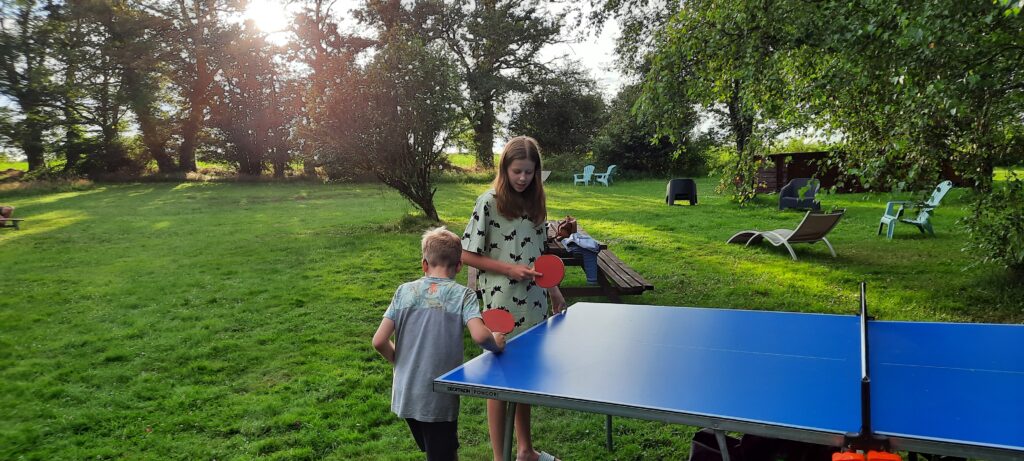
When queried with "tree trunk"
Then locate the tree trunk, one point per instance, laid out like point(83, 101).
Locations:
point(984, 147)
point(198, 98)
point(483, 135)
point(421, 195)
point(425, 201)
point(308, 166)
point(72, 146)
point(742, 126)
point(72, 138)
point(189, 135)
point(155, 144)
point(113, 152)
point(279, 159)
point(32, 141)
point(142, 106)
point(428, 208)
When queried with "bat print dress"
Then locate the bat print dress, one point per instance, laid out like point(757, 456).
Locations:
point(516, 241)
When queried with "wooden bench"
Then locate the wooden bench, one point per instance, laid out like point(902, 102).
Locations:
point(11, 222)
point(614, 278)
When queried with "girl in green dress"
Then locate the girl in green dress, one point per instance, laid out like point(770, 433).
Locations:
point(505, 235)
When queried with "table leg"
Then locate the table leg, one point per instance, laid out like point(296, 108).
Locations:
point(722, 445)
point(608, 432)
point(510, 420)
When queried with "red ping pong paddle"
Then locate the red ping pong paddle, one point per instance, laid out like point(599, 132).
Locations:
point(499, 320)
point(552, 268)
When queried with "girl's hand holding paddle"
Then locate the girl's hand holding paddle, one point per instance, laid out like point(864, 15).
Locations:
point(521, 273)
point(551, 271)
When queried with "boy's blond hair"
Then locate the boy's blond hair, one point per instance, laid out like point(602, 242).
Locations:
point(441, 248)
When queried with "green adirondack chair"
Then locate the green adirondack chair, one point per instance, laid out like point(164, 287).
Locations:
point(585, 178)
point(606, 177)
point(894, 211)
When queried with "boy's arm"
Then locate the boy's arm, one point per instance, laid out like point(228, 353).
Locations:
point(382, 339)
point(494, 342)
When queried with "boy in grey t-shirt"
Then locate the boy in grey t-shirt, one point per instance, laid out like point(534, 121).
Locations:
point(426, 317)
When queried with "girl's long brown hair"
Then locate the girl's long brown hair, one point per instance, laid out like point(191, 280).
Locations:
point(531, 202)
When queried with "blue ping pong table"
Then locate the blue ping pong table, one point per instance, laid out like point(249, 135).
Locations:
point(941, 388)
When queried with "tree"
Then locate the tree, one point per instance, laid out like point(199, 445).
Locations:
point(913, 86)
point(197, 33)
point(330, 57)
point(726, 57)
point(94, 87)
point(249, 107)
point(632, 142)
point(26, 34)
point(496, 43)
point(68, 51)
point(142, 56)
point(563, 112)
point(103, 61)
point(393, 119)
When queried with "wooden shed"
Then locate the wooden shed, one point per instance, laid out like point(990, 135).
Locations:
point(782, 167)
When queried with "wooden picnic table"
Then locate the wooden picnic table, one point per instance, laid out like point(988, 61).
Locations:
point(614, 277)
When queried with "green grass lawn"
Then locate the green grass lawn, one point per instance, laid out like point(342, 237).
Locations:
point(233, 321)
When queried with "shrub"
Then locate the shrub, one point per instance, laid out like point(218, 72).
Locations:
point(997, 226)
point(739, 175)
point(562, 167)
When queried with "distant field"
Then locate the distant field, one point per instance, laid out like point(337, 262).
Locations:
point(466, 161)
point(23, 166)
point(1001, 174)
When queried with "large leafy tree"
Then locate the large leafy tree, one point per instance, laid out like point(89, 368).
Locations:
point(27, 29)
point(908, 87)
point(914, 85)
point(107, 61)
point(142, 54)
point(329, 56)
point(632, 142)
point(196, 33)
point(496, 45)
point(563, 112)
point(250, 107)
point(395, 117)
point(727, 57)
point(94, 86)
